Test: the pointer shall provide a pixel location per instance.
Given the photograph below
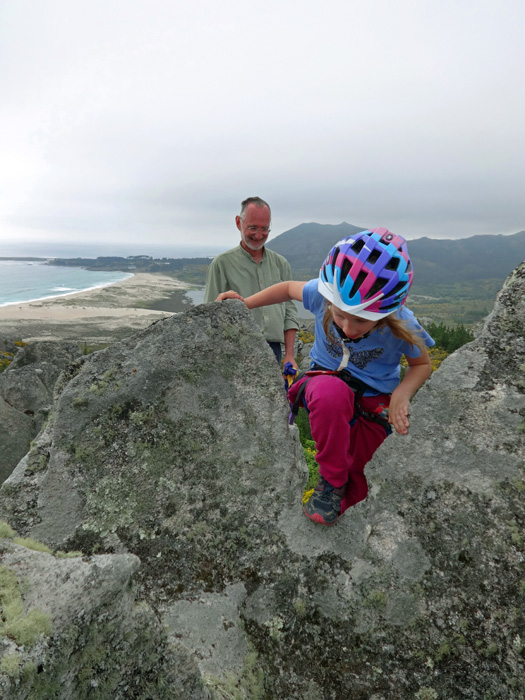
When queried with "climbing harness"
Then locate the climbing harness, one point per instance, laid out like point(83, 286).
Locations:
point(358, 387)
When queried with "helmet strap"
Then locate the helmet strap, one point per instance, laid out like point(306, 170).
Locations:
point(344, 360)
point(349, 340)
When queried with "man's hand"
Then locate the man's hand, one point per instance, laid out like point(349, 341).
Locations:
point(290, 359)
point(229, 295)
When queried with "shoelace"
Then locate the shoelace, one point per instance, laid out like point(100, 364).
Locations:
point(327, 492)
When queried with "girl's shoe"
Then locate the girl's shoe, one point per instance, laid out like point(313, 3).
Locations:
point(324, 505)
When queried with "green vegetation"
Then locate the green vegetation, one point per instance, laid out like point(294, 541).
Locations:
point(6, 357)
point(453, 308)
point(138, 263)
point(450, 338)
point(23, 627)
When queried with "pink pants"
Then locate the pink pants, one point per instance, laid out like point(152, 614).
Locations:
point(342, 449)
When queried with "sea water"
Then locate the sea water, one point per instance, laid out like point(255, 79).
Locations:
point(22, 280)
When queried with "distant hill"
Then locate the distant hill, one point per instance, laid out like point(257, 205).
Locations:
point(305, 246)
point(468, 259)
point(436, 262)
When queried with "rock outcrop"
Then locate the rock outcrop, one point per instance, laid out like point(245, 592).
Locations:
point(73, 630)
point(26, 395)
point(173, 446)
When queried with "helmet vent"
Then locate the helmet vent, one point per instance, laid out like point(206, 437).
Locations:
point(334, 258)
point(347, 266)
point(392, 264)
point(376, 287)
point(399, 286)
point(361, 277)
point(373, 257)
point(358, 246)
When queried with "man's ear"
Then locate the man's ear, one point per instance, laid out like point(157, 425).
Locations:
point(238, 222)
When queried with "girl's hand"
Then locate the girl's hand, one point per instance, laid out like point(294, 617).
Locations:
point(229, 295)
point(419, 369)
point(398, 412)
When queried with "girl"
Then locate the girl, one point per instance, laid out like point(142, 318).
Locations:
point(352, 391)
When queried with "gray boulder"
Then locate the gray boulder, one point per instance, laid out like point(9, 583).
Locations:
point(72, 629)
point(26, 396)
point(173, 446)
point(8, 346)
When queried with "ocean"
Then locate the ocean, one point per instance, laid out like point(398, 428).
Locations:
point(33, 280)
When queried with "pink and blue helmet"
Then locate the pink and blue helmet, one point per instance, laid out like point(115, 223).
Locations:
point(368, 274)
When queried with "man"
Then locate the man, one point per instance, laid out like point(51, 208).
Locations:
point(250, 267)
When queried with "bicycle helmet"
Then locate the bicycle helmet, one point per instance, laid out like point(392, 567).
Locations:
point(368, 274)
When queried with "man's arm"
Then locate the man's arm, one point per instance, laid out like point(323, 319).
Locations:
point(289, 344)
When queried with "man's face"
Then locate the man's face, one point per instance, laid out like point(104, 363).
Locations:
point(254, 226)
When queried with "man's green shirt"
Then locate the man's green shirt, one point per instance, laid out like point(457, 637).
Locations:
point(236, 269)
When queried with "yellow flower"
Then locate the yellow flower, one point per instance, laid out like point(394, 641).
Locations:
point(307, 494)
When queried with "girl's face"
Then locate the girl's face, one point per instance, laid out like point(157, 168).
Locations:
point(352, 326)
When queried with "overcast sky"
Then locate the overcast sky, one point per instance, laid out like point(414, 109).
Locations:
point(150, 120)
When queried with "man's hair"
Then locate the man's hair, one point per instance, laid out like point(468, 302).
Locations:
point(254, 200)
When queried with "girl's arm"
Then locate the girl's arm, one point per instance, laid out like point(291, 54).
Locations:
point(276, 294)
point(419, 370)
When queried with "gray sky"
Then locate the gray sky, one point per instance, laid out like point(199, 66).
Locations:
point(150, 120)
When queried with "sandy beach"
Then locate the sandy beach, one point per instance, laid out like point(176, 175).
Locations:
point(98, 316)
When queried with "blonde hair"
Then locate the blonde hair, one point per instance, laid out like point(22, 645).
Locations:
point(398, 328)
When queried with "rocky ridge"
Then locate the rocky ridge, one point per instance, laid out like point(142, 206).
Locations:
point(167, 461)
point(26, 395)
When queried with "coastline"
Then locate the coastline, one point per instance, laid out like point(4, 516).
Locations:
point(97, 316)
point(52, 297)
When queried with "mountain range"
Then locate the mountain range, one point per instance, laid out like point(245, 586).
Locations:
point(435, 261)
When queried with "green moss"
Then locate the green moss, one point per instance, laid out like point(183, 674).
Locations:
point(300, 607)
point(6, 530)
point(515, 533)
point(443, 651)
point(376, 599)
point(83, 453)
point(425, 693)
point(250, 418)
point(36, 462)
point(32, 544)
point(23, 628)
point(80, 401)
point(99, 660)
point(98, 388)
point(10, 665)
point(491, 650)
point(519, 484)
point(248, 684)
point(142, 417)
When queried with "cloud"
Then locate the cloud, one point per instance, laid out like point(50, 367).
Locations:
point(127, 119)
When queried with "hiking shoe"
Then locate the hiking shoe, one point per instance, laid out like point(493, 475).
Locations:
point(325, 503)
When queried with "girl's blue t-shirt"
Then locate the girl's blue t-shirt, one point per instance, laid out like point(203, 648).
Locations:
point(374, 359)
